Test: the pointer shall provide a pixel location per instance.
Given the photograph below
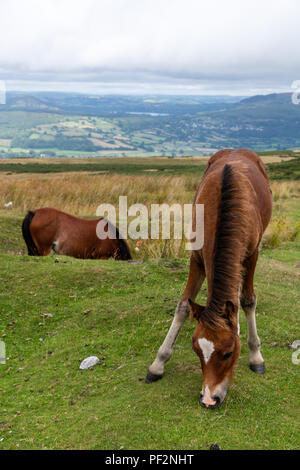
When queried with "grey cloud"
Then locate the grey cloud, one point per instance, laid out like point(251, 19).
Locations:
point(188, 43)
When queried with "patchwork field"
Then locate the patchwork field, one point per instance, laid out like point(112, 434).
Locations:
point(56, 311)
point(78, 125)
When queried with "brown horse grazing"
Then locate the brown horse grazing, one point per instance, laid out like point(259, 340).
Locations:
point(237, 209)
point(47, 228)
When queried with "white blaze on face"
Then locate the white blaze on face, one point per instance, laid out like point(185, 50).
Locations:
point(207, 348)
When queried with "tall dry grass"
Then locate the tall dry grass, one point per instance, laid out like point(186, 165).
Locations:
point(282, 190)
point(281, 229)
point(81, 193)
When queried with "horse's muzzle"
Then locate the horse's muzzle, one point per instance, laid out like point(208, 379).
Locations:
point(215, 402)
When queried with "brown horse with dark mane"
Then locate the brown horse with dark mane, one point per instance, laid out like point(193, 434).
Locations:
point(49, 229)
point(237, 209)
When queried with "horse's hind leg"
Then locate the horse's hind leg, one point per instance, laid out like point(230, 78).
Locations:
point(195, 281)
point(248, 303)
point(42, 242)
point(44, 249)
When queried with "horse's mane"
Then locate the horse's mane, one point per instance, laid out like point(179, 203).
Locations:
point(122, 251)
point(230, 246)
point(123, 246)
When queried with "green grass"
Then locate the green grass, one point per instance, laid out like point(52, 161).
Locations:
point(125, 166)
point(288, 253)
point(10, 233)
point(288, 170)
point(53, 315)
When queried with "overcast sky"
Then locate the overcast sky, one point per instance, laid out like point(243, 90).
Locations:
point(176, 46)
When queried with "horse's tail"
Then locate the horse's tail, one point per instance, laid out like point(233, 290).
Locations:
point(32, 249)
point(123, 247)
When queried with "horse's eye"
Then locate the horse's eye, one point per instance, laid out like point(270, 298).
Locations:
point(227, 355)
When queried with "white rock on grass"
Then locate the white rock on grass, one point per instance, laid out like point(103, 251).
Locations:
point(89, 362)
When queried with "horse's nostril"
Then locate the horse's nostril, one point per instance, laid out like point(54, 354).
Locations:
point(217, 400)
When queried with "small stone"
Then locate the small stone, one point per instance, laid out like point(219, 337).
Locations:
point(274, 344)
point(89, 362)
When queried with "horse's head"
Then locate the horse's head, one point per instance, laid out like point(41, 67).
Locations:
point(218, 347)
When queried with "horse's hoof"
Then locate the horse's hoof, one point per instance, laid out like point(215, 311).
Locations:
point(258, 368)
point(152, 378)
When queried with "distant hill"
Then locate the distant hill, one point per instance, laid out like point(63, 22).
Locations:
point(272, 98)
point(29, 103)
point(268, 121)
point(120, 105)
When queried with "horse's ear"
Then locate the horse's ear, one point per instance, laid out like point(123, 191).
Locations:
point(229, 311)
point(195, 310)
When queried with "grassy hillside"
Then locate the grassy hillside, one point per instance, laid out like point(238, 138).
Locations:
point(53, 315)
point(56, 311)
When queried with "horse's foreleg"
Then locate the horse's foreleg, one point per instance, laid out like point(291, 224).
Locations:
point(195, 281)
point(248, 302)
point(44, 250)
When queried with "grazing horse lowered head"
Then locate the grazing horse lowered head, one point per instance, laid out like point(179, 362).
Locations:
point(237, 209)
point(47, 228)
